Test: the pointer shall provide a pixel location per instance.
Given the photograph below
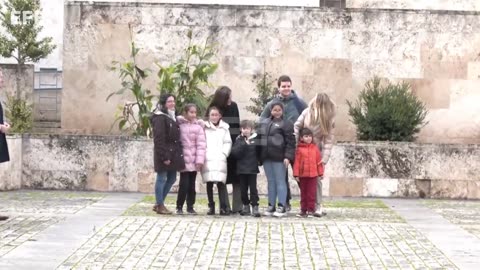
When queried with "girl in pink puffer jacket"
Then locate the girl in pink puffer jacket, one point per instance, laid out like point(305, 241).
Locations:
point(194, 146)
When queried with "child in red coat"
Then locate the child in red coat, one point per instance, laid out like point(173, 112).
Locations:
point(307, 168)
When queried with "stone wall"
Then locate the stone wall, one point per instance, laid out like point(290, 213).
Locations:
point(10, 82)
point(11, 172)
point(333, 51)
point(468, 5)
point(112, 163)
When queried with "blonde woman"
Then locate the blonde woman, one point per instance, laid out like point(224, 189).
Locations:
point(319, 118)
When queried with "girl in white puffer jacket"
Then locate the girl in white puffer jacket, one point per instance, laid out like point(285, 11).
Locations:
point(214, 170)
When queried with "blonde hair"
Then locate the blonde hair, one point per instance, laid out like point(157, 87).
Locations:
point(321, 113)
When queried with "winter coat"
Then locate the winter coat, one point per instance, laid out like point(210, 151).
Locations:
point(246, 155)
point(308, 161)
point(277, 140)
point(193, 142)
point(324, 142)
point(293, 106)
point(4, 157)
point(219, 145)
point(167, 143)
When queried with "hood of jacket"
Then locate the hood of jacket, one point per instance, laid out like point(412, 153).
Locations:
point(222, 124)
point(183, 120)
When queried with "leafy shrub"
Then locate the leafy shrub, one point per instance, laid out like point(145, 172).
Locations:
point(19, 114)
point(386, 111)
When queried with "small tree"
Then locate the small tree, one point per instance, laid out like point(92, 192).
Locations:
point(22, 43)
point(387, 112)
point(266, 90)
point(132, 77)
point(185, 77)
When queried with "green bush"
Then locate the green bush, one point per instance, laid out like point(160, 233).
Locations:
point(266, 90)
point(387, 112)
point(19, 114)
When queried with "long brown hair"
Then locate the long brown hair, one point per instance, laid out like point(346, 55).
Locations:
point(220, 99)
point(321, 113)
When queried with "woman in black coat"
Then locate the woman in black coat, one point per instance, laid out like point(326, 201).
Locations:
point(230, 114)
point(4, 127)
point(167, 150)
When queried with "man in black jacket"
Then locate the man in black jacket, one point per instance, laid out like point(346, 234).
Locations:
point(4, 127)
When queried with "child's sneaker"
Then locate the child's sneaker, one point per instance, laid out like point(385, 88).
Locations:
point(255, 211)
point(302, 214)
point(179, 211)
point(280, 212)
point(191, 211)
point(270, 210)
point(320, 212)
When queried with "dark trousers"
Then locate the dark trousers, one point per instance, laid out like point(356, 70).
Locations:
point(249, 181)
point(186, 189)
point(308, 193)
point(222, 193)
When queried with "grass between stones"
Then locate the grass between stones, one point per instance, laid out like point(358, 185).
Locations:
point(339, 209)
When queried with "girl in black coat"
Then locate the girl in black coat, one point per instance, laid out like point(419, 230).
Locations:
point(168, 151)
point(230, 114)
point(278, 151)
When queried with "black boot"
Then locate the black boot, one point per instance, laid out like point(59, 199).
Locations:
point(255, 211)
point(245, 211)
point(211, 209)
point(224, 212)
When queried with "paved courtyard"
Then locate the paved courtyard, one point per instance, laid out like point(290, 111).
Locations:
point(82, 230)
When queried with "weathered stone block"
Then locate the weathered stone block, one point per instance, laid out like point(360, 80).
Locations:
point(435, 93)
point(146, 182)
point(473, 189)
point(378, 187)
point(454, 189)
point(98, 181)
point(424, 187)
point(250, 18)
point(407, 188)
point(346, 186)
point(11, 172)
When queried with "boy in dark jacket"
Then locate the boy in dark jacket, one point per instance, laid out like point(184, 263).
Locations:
point(307, 168)
point(245, 151)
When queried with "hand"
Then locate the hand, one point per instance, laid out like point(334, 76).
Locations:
point(198, 167)
point(166, 162)
point(286, 162)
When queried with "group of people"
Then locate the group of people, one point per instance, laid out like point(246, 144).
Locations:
point(225, 150)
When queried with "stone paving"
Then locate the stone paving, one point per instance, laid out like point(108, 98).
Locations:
point(34, 211)
point(356, 234)
point(466, 214)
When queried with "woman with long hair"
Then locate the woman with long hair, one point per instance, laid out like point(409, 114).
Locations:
point(167, 151)
point(230, 114)
point(319, 118)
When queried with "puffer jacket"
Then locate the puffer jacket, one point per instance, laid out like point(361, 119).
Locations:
point(277, 140)
point(166, 143)
point(308, 161)
point(246, 155)
point(193, 142)
point(324, 142)
point(219, 145)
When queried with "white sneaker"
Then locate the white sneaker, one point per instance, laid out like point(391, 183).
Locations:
point(321, 211)
point(269, 212)
point(280, 212)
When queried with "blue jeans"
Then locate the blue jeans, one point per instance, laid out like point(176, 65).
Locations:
point(163, 184)
point(277, 187)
